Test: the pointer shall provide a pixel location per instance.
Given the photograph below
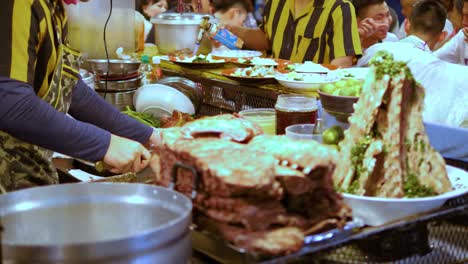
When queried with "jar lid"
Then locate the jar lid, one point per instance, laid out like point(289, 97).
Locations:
point(178, 19)
point(296, 102)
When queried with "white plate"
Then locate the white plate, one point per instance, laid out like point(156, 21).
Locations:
point(377, 211)
point(353, 73)
point(161, 100)
point(236, 53)
point(311, 81)
point(311, 67)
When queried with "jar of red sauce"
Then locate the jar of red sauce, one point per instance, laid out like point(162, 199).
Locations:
point(294, 109)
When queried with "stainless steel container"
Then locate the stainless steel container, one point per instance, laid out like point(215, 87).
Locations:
point(119, 99)
point(116, 68)
point(192, 90)
point(175, 31)
point(120, 85)
point(96, 223)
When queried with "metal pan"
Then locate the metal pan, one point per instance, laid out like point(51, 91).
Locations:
point(96, 223)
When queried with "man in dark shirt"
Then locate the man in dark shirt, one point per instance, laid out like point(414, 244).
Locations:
point(39, 85)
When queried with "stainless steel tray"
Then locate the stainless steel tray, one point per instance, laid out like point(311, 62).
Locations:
point(395, 233)
point(219, 250)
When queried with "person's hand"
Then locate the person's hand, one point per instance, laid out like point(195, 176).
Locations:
point(367, 27)
point(125, 155)
point(155, 139)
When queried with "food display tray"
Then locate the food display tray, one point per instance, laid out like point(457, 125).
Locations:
point(393, 241)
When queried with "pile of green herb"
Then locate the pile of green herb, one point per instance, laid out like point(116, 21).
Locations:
point(145, 118)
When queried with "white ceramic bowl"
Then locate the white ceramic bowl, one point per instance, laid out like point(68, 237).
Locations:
point(311, 82)
point(302, 131)
point(161, 100)
point(375, 211)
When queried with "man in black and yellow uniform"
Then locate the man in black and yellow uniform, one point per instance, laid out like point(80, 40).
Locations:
point(323, 31)
point(39, 84)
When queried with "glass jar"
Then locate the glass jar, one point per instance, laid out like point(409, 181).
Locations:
point(263, 117)
point(294, 109)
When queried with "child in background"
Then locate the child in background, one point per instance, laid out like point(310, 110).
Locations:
point(146, 9)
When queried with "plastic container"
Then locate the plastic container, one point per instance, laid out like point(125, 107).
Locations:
point(303, 131)
point(86, 22)
point(263, 117)
point(294, 109)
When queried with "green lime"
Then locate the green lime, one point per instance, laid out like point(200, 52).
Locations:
point(328, 88)
point(347, 91)
point(333, 135)
point(340, 84)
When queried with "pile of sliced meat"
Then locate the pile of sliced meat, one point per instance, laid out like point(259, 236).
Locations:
point(261, 193)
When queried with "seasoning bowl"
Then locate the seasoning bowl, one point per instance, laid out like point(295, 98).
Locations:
point(303, 131)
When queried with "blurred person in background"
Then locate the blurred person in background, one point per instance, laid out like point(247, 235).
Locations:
point(321, 31)
point(39, 85)
point(406, 8)
point(425, 25)
point(374, 22)
point(456, 49)
point(444, 83)
point(146, 9)
point(231, 12)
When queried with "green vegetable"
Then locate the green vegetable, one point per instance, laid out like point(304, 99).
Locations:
point(413, 188)
point(145, 118)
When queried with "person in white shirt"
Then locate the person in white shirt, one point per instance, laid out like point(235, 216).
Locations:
point(456, 49)
point(406, 7)
point(425, 26)
point(446, 98)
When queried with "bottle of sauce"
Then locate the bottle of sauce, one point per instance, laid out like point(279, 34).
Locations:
point(147, 70)
point(292, 109)
point(219, 34)
point(156, 68)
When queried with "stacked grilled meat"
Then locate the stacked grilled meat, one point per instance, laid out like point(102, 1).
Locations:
point(386, 151)
point(262, 193)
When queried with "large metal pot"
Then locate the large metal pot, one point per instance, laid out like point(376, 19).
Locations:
point(119, 100)
point(175, 31)
point(118, 85)
point(96, 223)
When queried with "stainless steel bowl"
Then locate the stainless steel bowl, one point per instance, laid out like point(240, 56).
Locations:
point(122, 85)
point(119, 100)
point(175, 31)
point(96, 223)
point(117, 68)
point(193, 91)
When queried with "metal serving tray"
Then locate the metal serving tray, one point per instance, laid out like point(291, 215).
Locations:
point(391, 240)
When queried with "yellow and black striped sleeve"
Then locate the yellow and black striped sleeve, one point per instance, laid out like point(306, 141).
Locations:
point(29, 45)
point(345, 36)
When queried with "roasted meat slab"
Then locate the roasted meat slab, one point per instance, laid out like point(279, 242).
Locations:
point(262, 193)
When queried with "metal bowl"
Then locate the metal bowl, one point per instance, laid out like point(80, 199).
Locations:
point(119, 100)
point(116, 68)
point(192, 90)
point(96, 223)
point(122, 85)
